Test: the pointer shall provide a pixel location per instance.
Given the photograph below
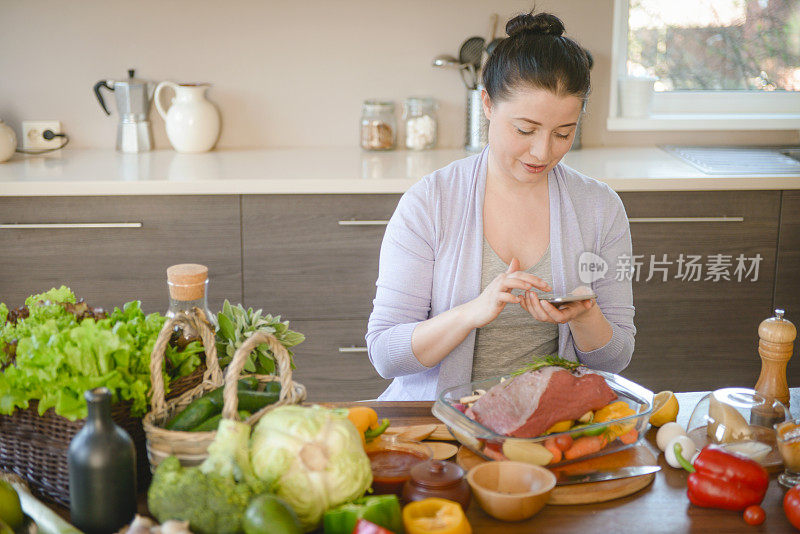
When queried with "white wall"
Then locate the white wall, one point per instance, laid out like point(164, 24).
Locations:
point(284, 73)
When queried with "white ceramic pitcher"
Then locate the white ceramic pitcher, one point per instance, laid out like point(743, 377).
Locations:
point(192, 121)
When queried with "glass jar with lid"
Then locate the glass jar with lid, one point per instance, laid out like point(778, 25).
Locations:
point(419, 114)
point(188, 289)
point(378, 125)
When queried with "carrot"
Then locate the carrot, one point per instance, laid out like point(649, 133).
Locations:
point(550, 445)
point(584, 446)
point(629, 437)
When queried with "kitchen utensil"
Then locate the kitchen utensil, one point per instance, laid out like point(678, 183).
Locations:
point(493, 44)
point(775, 347)
point(133, 96)
point(192, 120)
point(511, 491)
point(738, 415)
point(489, 39)
point(477, 129)
point(590, 492)
point(488, 443)
point(470, 54)
point(565, 479)
point(449, 62)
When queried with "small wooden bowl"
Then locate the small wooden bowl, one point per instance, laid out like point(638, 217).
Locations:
point(511, 491)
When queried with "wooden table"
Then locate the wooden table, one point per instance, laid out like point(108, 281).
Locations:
point(660, 507)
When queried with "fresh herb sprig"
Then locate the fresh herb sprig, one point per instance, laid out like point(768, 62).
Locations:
point(547, 361)
point(236, 324)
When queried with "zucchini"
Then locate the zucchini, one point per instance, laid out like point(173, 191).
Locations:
point(194, 414)
point(248, 383)
point(252, 401)
point(213, 422)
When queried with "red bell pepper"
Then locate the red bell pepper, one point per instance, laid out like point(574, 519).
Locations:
point(367, 527)
point(720, 479)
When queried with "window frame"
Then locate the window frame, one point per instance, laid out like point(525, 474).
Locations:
point(697, 110)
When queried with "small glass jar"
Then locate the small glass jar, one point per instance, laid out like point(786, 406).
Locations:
point(378, 125)
point(188, 289)
point(419, 114)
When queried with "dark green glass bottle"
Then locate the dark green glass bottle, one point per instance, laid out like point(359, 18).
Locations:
point(102, 470)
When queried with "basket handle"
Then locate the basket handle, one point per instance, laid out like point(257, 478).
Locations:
point(196, 319)
point(231, 401)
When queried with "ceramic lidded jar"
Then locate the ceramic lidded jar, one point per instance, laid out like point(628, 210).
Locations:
point(192, 121)
point(8, 141)
point(437, 478)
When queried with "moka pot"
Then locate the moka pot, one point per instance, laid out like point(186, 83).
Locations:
point(134, 96)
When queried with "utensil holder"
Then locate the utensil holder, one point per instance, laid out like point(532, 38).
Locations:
point(477, 124)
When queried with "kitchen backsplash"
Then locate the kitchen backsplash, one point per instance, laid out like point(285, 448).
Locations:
point(283, 73)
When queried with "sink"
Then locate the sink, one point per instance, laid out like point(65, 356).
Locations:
point(739, 159)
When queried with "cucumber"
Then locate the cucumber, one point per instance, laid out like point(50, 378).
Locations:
point(213, 422)
point(194, 414)
point(252, 401)
point(245, 384)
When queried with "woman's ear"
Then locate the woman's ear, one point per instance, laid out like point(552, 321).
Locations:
point(487, 104)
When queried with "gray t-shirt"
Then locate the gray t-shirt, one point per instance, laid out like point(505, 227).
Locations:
point(514, 337)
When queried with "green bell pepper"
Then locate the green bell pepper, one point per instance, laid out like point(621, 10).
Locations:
point(383, 510)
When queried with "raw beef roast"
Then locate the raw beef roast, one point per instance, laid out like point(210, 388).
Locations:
point(527, 405)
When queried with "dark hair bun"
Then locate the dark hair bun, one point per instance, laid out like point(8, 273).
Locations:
point(541, 24)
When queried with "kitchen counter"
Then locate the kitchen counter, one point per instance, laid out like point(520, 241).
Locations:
point(93, 172)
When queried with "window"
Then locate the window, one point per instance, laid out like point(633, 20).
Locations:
point(717, 64)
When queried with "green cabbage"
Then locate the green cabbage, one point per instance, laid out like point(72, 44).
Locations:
point(312, 457)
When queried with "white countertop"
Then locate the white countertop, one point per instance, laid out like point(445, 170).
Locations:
point(82, 172)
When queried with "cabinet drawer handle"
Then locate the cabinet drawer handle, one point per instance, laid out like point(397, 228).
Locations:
point(352, 349)
point(684, 219)
point(354, 222)
point(59, 226)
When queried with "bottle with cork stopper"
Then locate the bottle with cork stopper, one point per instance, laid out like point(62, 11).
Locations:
point(775, 348)
point(188, 289)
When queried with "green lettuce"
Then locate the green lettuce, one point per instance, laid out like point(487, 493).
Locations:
point(58, 357)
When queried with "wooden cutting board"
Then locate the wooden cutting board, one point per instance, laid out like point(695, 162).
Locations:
point(591, 492)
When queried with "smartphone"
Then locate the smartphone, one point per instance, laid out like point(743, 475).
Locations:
point(563, 299)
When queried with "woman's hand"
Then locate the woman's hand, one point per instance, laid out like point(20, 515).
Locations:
point(547, 313)
point(497, 294)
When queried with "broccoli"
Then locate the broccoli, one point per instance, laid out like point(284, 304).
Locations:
point(213, 496)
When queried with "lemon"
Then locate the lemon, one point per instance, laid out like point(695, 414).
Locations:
point(268, 514)
point(665, 408)
point(10, 509)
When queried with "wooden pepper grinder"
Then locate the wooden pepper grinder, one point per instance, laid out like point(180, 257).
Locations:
point(775, 348)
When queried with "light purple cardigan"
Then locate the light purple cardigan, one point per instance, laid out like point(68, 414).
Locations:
point(430, 262)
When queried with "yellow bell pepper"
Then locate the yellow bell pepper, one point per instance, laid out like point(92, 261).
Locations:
point(561, 426)
point(365, 420)
point(610, 412)
point(435, 516)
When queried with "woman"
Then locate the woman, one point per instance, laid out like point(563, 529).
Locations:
point(470, 245)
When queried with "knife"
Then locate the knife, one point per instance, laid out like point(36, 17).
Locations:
point(565, 479)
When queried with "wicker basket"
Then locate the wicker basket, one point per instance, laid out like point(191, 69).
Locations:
point(191, 447)
point(35, 446)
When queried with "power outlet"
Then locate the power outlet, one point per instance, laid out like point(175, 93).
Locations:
point(33, 134)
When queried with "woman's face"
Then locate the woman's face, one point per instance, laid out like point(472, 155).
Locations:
point(530, 131)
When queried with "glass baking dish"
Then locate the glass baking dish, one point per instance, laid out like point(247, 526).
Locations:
point(490, 445)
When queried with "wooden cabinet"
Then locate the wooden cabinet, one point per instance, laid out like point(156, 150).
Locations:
point(111, 250)
point(333, 364)
point(787, 277)
point(313, 259)
point(701, 334)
